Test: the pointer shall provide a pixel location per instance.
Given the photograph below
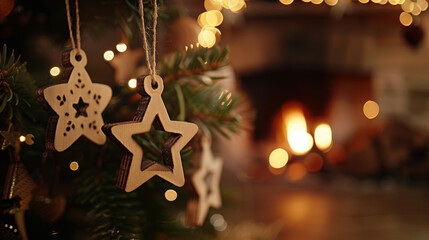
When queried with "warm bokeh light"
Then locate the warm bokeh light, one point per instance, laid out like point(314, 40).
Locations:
point(22, 138)
point(406, 19)
point(408, 6)
point(317, 2)
point(55, 71)
point(331, 2)
point(212, 18)
point(121, 47)
point(423, 4)
point(233, 5)
point(286, 2)
point(278, 158)
point(212, 5)
point(108, 55)
point(295, 172)
point(300, 141)
point(323, 137)
point(170, 195)
point(132, 83)
point(74, 166)
point(371, 109)
point(313, 162)
point(364, 1)
point(207, 37)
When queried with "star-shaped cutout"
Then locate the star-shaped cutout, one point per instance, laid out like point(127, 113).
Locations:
point(10, 138)
point(205, 191)
point(77, 104)
point(80, 108)
point(134, 170)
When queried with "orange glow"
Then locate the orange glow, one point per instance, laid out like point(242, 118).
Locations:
point(336, 155)
point(296, 172)
point(371, 109)
point(313, 162)
point(323, 137)
point(278, 158)
point(298, 138)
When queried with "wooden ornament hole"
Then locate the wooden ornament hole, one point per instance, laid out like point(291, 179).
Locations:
point(78, 57)
point(152, 144)
point(154, 85)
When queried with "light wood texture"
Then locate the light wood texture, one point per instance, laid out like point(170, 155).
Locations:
point(77, 105)
point(134, 170)
point(204, 189)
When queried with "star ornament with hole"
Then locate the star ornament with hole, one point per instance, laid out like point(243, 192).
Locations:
point(10, 138)
point(204, 189)
point(135, 170)
point(77, 105)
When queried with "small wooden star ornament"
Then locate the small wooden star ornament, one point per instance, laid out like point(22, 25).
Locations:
point(10, 138)
point(77, 105)
point(134, 170)
point(204, 186)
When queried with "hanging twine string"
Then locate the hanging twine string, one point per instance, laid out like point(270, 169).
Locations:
point(151, 67)
point(77, 25)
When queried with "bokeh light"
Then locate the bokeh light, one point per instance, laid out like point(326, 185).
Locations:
point(406, 19)
point(218, 222)
point(323, 137)
point(22, 138)
point(207, 37)
point(170, 195)
point(331, 2)
point(108, 55)
point(74, 166)
point(132, 83)
point(313, 162)
point(371, 109)
point(55, 71)
point(286, 2)
point(295, 172)
point(121, 47)
point(278, 158)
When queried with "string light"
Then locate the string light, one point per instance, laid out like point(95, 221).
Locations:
point(132, 83)
point(22, 138)
point(55, 71)
point(170, 195)
point(121, 47)
point(74, 166)
point(108, 55)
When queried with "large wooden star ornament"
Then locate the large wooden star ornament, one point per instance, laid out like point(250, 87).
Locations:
point(76, 105)
point(134, 170)
point(204, 188)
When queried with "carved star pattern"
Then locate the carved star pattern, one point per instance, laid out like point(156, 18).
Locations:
point(78, 104)
point(205, 185)
point(134, 170)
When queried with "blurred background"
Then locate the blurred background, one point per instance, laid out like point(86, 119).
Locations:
point(334, 143)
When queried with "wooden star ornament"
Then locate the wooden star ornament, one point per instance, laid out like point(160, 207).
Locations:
point(134, 169)
point(10, 138)
point(76, 105)
point(204, 186)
